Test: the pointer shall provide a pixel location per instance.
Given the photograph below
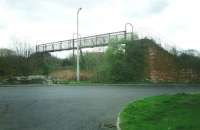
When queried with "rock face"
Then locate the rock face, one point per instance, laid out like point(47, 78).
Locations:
point(162, 66)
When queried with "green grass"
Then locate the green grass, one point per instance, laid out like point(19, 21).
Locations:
point(166, 112)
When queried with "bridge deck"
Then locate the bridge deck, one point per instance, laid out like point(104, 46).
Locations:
point(85, 42)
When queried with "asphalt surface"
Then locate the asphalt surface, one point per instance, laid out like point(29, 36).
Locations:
point(72, 107)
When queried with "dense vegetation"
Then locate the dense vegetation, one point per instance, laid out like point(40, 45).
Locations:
point(128, 61)
point(177, 112)
point(123, 61)
point(18, 65)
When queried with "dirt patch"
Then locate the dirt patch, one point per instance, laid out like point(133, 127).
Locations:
point(70, 74)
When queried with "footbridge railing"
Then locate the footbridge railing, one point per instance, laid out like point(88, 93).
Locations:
point(85, 42)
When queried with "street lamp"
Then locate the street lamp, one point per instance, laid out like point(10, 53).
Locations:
point(78, 67)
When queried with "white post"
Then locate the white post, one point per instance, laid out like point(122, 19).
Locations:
point(78, 51)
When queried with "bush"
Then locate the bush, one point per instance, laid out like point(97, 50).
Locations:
point(136, 52)
point(124, 61)
point(38, 63)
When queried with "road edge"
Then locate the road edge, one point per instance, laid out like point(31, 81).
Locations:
point(118, 122)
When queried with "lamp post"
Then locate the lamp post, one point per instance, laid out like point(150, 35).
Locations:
point(77, 65)
point(73, 38)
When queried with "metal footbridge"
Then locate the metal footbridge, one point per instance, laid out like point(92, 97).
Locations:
point(85, 42)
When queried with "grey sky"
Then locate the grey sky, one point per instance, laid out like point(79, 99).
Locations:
point(38, 21)
point(144, 8)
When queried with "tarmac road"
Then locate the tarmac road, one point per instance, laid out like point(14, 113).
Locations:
point(40, 107)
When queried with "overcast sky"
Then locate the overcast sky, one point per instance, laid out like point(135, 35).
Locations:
point(38, 21)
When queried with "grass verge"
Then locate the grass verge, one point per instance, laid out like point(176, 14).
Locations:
point(165, 112)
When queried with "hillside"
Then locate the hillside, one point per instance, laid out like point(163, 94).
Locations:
point(141, 60)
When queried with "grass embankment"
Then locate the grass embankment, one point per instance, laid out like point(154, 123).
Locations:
point(177, 112)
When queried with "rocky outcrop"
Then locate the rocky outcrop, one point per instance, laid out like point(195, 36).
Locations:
point(162, 67)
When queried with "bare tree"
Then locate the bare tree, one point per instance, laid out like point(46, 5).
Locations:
point(22, 48)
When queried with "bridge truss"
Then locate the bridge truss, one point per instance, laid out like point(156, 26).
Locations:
point(85, 42)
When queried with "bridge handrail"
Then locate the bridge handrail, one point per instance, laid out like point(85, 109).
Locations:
point(43, 47)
